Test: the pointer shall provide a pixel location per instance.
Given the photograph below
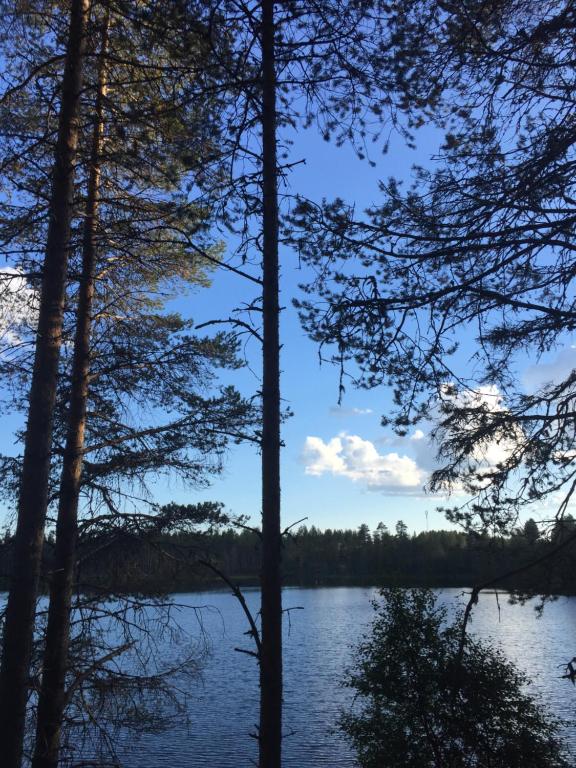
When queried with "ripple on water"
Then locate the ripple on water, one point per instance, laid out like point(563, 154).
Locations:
point(223, 703)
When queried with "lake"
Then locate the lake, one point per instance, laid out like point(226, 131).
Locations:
point(319, 638)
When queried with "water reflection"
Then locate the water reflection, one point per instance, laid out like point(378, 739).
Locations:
point(319, 639)
point(540, 646)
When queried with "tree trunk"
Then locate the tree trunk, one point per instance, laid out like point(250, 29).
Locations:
point(270, 731)
point(21, 605)
point(52, 699)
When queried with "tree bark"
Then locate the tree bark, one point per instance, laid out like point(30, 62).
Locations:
point(270, 730)
point(52, 699)
point(21, 605)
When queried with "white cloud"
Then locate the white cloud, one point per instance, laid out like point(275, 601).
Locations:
point(18, 306)
point(488, 395)
point(321, 457)
point(404, 465)
point(500, 447)
point(359, 460)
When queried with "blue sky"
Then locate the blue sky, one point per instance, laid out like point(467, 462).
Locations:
point(335, 458)
point(340, 467)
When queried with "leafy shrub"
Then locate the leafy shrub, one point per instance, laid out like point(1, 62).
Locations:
point(426, 701)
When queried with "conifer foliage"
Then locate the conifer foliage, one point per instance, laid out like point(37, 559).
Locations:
point(138, 135)
point(427, 701)
point(479, 247)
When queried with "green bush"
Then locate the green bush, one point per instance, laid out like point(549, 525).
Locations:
point(423, 702)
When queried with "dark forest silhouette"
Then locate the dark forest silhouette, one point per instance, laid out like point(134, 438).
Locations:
point(175, 562)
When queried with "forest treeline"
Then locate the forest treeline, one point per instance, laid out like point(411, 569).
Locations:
point(186, 560)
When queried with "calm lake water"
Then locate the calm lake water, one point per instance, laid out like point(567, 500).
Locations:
point(319, 645)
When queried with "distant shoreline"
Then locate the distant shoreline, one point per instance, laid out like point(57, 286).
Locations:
point(253, 586)
point(523, 562)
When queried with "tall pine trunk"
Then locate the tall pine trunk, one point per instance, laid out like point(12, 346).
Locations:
point(270, 731)
point(21, 605)
point(52, 699)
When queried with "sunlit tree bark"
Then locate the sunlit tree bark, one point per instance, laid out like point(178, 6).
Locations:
point(21, 605)
point(51, 702)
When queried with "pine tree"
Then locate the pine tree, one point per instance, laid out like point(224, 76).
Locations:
point(142, 231)
point(286, 65)
point(33, 499)
point(478, 249)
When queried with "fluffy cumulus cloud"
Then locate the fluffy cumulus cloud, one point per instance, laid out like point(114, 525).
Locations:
point(404, 464)
point(359, 460)
point(18, 306)
point(486, 399)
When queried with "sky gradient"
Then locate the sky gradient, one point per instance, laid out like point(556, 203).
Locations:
point(340, 467)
